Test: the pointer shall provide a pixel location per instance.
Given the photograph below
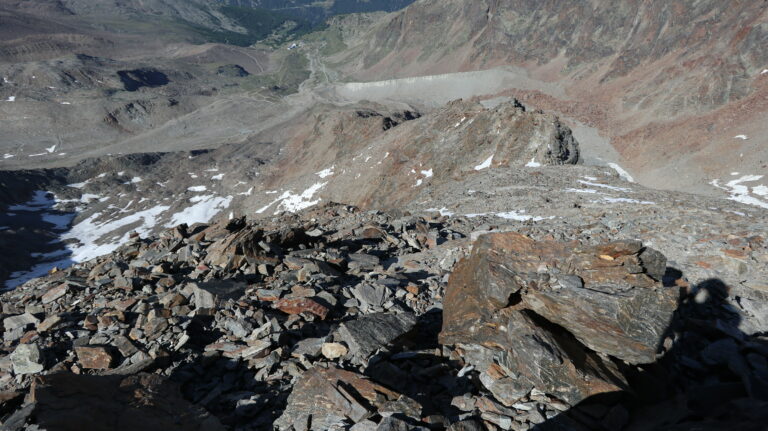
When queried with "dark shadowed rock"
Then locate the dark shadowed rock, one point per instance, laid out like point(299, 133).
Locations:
point(144, 401)
point(330, 397)
point(368, 333)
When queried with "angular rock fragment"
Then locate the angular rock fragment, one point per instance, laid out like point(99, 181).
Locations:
point(94, 357)
point(55, 293)
point(539, 313)
point(370, 332)
point(27, 359)
point(334, 350)
point(302, 305)
point(330, 396)
point(20, 321)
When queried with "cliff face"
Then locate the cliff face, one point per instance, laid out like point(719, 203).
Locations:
point(655, 76)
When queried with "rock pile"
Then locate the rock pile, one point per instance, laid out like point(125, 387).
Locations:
point(334, 320)
point(231, 313)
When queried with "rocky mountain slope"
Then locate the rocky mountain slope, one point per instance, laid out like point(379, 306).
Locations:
point(344, 319)
point(627, 298)
point(218, 237)
point(319, 11)
point(682, 82)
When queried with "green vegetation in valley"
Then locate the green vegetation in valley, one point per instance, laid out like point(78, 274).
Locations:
point(260, 24)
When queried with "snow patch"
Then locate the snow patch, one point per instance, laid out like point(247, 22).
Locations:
point(572, 190)
point(292, 202)
point(622, 173)
point(197, 188)
point(203, 210)
point(605, 186)
point(40, 200)
point(427, 174)
point(89, 232)
point(135, 180)
point(11, 99)
point(443, 211)
point(742, 137)
point(533, 163)
point(59, 221)
point(218, 177)
point(625, 201)
point(18, 278)
point(8, 156)
point(326, 172)
point(741, 193)
point(485, 164)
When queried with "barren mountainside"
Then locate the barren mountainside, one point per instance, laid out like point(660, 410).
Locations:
point(444, 215)
point(678, 79)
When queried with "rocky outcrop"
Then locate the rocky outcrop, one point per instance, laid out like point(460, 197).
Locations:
point(556, 316)
point(358, 164)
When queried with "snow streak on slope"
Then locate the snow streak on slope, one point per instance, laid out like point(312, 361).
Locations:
point(740, 192)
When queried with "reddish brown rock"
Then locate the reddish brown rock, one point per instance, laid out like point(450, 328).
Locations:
point(94, 357)
point(302, 305)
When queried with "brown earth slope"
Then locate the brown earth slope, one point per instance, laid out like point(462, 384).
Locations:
point(678, 79)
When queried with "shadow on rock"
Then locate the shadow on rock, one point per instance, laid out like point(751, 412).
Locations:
point(710, 376)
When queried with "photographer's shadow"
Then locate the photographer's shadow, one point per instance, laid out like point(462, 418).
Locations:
point(709, 376)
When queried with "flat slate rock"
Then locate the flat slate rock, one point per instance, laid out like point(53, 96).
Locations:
point(367, 333)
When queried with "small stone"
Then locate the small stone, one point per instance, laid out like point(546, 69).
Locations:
point(20, 321)
point(302, 305)
point(203, 298)
point(94, 357)
point(334, 350)
point(49, 323)
point(124, 345)
point(366, 334)
point(53, 294)
point(27, 359)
